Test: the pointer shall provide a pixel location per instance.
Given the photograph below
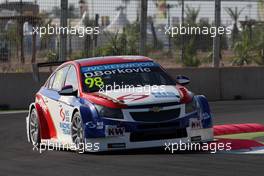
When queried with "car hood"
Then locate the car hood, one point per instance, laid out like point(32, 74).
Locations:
point(143, 95)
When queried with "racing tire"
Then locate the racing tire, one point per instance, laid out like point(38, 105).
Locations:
point(77, 133)
point(34, 128)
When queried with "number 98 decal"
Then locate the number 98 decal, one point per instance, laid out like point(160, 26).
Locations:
point(92, 82)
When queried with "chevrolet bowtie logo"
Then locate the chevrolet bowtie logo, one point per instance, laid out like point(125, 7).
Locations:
point(156, 109)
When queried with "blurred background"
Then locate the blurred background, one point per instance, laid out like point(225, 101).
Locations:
point(132, 27)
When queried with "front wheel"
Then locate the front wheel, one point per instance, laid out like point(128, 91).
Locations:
point(77, 132)
point(34, 130)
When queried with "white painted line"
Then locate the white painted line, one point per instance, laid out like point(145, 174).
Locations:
point(13, 112)
point(254, 150)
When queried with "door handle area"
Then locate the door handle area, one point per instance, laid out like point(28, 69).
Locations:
point(46, 100)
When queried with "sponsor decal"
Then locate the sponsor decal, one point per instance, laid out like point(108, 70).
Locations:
point(94, 82)
point(119, 66)
point(195, 124)
point(114, 130)
point(91, 125)
point(65, 115)
point(117, 71)
point(97, 125)
point(205, 116)
point(100, 125)
point(156, 109)
point(165, 95)
point(62, 115)
point(112, 69)
point(65, 127)
point(132, 97)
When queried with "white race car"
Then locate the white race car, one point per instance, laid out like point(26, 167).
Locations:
point(116, 103)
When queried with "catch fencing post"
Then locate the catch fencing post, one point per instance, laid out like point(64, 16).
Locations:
point(182, 36)
point(143, 26)
point(216, 42)
point(63, 35)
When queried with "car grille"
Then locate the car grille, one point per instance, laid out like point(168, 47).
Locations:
point(151, 126)
point(160, 116)
point(158, 135)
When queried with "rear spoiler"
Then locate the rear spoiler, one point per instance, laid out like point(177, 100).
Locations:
point(35, 68)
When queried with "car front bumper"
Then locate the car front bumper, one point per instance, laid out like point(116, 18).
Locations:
point(124, 142)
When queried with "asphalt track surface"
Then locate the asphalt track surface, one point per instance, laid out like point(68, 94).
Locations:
point(18, 158)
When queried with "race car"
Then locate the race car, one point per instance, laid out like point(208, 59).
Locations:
point(117, 103)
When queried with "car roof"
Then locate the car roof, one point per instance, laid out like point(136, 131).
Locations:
point(111, 60)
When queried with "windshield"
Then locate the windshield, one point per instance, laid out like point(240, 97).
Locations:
point(104, 77)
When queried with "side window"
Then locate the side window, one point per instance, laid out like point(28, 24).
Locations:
point(71, 78)
point(60, 78)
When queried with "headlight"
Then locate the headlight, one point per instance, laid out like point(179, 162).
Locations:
point(109, 112)
point(191, 107)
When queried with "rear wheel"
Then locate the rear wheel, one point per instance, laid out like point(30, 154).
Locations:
point(34, 130)
point(77, 131)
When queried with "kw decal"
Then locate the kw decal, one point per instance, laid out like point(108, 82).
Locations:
point(115, 131)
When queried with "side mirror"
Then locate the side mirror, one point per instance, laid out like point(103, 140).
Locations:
point(68, 91)
point(182, 80)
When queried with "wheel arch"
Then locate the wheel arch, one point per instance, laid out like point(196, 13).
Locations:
point(74, 111)
point(206, 111)
point(88, 113)
point(31, 107)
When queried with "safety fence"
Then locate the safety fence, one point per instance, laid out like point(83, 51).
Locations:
point(176, 32)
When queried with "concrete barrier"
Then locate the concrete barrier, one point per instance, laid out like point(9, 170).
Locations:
point(244, 82)
point(203, 81)
point(17, 89)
